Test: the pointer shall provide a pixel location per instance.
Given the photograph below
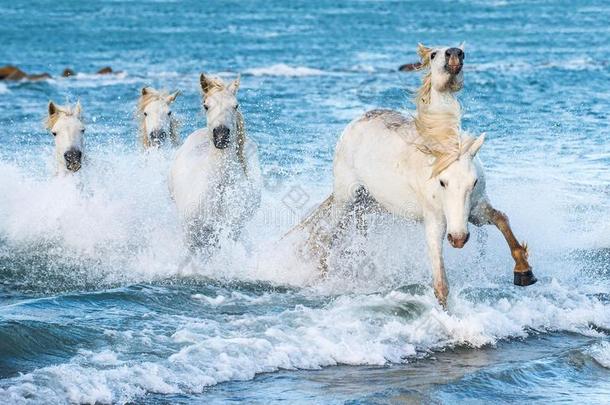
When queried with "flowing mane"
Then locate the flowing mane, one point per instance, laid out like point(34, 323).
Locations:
point(439, 127)
point(143, 102)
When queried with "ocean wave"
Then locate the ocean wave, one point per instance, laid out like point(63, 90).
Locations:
point(575, 64)
point(87, 80)
point(601, 353)
point(282, 69)
point(373, 329)
point(3, 88)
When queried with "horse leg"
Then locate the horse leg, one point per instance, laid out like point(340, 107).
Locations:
point(202, 238)
point(363, 204)
point(523, 275)
point(435, 232)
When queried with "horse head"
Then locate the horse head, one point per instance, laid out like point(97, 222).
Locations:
point(156, 121)
point(67, 128)
point(445, 64)
point(454, 185)
point(222, 111)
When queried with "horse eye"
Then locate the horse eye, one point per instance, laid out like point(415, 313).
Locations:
point(460, 53)
point(169, 113)
point(82, 131)
point(206, 107)
point(54, 133)
point(236, 106)
point(432, 55)
point(443, 184)
point(146, 114)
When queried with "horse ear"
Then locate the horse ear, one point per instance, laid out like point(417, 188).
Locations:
point(462, 45)
point(233, 87)
point(423, 52)
point(476, 145)
point(205, 82)
point(144, 91)
point(172, 97)
point(52, 108)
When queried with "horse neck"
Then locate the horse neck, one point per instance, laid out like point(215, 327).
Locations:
point(443, 101)
point(442, 111)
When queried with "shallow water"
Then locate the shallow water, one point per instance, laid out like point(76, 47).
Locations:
point(100, 303)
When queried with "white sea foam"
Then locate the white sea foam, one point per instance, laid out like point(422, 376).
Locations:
point(282, 69)
point(601, 353)
point(575, 64)
point(3, 88)
point(88, 80)
point(371, 329)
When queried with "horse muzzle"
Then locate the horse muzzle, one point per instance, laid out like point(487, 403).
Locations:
point(157, 137)
point(221, 137)
point(73, 159)
point(454, 60)
point(458, 240)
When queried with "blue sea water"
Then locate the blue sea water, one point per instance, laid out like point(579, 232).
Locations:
point(100, 304)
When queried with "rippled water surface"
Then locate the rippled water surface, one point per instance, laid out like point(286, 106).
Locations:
point(99, 301)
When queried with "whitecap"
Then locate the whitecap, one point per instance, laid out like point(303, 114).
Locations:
point(601, 353)
point(282, 69)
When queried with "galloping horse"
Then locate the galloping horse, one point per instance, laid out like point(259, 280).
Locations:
point(67, 128)
point(215, 179)
point(157, 123)
point(423, 168)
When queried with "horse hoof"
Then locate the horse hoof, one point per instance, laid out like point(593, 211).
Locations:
point(523, 279)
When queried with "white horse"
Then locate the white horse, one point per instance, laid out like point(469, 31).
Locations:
point(64, 122)
point(423, 168)
point(215, 179)
point(157, 123)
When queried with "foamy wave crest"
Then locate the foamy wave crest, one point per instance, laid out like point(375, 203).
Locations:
point(282, 69)
point(3, 88)
point(575, 64)
point(601, 353)
point(373, 329)
point(86, 80)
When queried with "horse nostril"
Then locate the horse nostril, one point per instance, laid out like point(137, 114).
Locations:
point(73, 156)
point(221, 130)
point(158, 134)
point(73, 159)
point(459, 240)
point(221, 136)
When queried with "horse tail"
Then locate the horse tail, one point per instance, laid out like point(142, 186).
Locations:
point(316, 219)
